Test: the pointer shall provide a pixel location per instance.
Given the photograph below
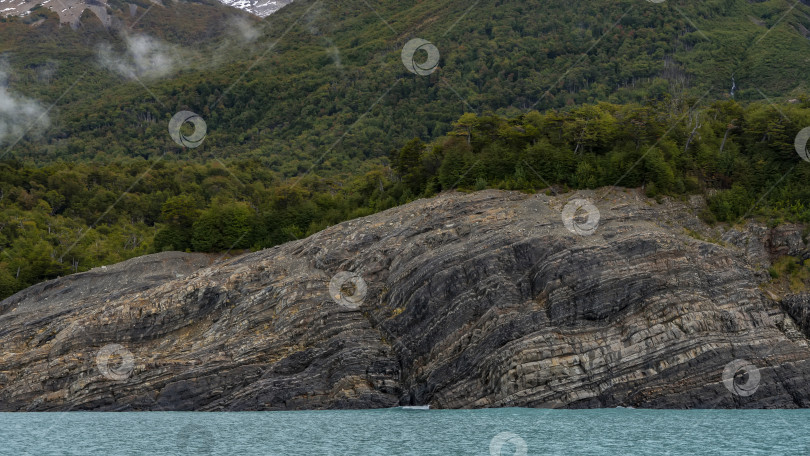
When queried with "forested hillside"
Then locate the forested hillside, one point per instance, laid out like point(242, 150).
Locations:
point(312, 118)
point(315, 71)
point(64, 218)
point(57, 64)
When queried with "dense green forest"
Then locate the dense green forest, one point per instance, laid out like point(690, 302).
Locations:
point(312, 119)
point(319, 72)
point(69, 217)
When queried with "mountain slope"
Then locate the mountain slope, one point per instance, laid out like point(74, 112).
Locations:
point(69, 11)
point(461, 301)
point(56, 65)
point(323, 84)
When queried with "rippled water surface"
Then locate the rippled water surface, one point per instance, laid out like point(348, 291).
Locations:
point(411, 432)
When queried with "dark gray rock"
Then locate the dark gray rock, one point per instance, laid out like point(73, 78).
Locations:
point(798, 307)
point(478, 300)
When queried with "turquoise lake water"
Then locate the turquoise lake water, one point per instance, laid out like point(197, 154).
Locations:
point(503, 432)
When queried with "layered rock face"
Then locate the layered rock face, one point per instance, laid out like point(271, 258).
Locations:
point(460, 301)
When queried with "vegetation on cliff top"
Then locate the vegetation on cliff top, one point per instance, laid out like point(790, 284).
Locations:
point(312, 118)
point(69, 217)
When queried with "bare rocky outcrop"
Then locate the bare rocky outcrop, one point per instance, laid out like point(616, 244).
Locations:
point(471, 300)
point(798, 307)
point(69, 11)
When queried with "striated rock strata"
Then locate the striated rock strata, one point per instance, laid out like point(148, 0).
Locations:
point(472, 300)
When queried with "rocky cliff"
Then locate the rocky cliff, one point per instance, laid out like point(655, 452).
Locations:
point(489, 299)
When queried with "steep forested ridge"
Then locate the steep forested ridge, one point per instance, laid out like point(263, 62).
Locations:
point(311, 116)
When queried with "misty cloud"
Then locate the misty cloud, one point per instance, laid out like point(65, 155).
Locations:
point(334, 53)
point(144, 58)
point(19, 115)
point(244, 30)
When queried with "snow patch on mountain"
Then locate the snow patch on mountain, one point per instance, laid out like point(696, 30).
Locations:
point(69, 11)
point(261, 8)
